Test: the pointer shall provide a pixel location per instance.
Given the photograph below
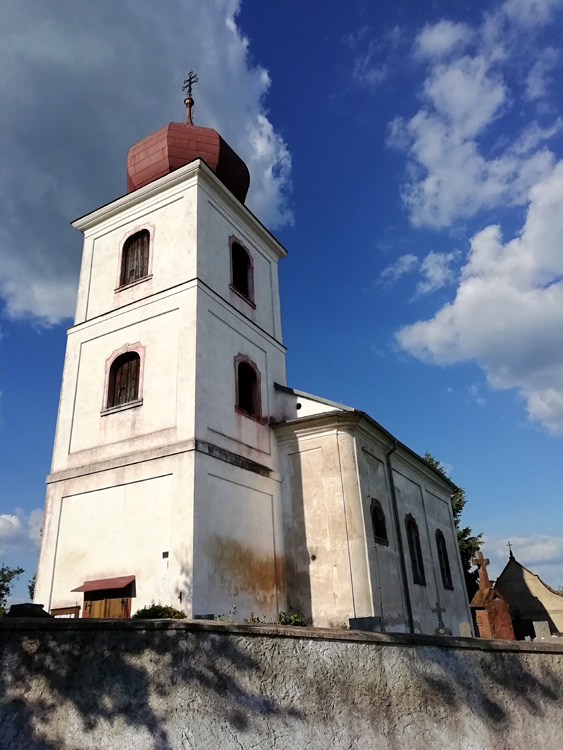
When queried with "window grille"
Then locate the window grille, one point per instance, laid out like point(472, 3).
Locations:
point(135, 260)
point(241, 271)
point(378, 522)
point(443, 560)
point(124, 380)
point(415, 551)
point(248, 389)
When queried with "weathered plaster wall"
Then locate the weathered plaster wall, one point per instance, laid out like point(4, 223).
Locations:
point(166, 686)
point(125, 495)
point(529, 598)
point(332, 465)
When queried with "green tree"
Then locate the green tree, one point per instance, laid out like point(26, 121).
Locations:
point(31, 587)
point(469, 543)
point(7, 575)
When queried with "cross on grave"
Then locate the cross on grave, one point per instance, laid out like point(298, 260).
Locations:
point(438, 610)
point(441, 629)
point(481, 563)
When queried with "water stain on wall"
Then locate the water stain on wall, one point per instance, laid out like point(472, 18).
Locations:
point(240, 570)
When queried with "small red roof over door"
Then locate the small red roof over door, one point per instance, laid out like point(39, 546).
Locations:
point(106, 583)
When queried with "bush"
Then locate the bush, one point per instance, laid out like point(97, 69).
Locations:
point(291, 618)
point(159, 612)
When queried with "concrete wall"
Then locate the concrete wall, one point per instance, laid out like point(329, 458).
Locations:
point(179, 686)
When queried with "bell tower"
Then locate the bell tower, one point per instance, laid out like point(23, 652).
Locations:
point(164, 485)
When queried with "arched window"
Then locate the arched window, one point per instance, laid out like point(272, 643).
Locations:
point(242, 275)
point(123, 384)
point(378, 522)
point(443, 560)
point(248, 388)
point(415, 551)
point(135, 257)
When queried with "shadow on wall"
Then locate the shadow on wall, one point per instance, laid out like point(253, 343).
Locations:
point(408, 698)
point(298, 558)
point(525, 608)
point(486, 685)
point(176, 686)
point(128, 679)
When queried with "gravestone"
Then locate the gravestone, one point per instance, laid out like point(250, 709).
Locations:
point(542, 629)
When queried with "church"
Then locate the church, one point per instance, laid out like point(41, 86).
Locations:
point(185, 471)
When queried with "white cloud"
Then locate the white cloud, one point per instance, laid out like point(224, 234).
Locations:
point(436, 271)
point(20, 532)
point(439, 39)
point(476, 395)
point(540, 553)
point(456, 166)
point(507, 314)
point(530, 12)
point(82, 83)
point(434, 268)
point(538, 80)
point(403, 265)
point(374, 56)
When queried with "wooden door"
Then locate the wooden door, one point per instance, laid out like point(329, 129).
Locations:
point(116, 607)
point(107, 607)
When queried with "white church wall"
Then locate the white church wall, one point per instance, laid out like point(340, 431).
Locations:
point(165, 330)
point(238, 542)
point(223, 335)
point(384, 560)
point(431, 511)
point(169, 215)
point(96, 527)
point(218, 222)
point(326, 566)
point(455, 601)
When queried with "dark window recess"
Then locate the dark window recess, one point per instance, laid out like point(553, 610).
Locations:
point(248, 396)
point(443, 560)
point(124, 379)
point(378, 522)
point(415, 551)
point(241, 270)
point(135, 261)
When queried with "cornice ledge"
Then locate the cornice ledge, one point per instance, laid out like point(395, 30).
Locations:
point(121, 461)
point(83, 223)
point(317, 424)
point(211, 179)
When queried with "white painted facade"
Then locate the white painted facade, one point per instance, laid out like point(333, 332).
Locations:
point(206, 506)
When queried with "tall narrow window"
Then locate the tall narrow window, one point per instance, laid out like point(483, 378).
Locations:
point(248, 388)
point(443, 560)
point(135, 257)
point(378, 522)
point(242, 279)
point(415, 551)
point(124, 379)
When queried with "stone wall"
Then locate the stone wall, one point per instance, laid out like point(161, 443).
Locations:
point(161, 685)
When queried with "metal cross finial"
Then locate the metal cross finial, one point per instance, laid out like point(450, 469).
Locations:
point(188, 101)
point(509, 545)
point(189, 82)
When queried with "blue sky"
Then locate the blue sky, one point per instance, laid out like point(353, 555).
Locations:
point(408, 155)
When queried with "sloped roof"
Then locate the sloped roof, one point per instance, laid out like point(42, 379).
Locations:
point(349, 410)
point(513, 560)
